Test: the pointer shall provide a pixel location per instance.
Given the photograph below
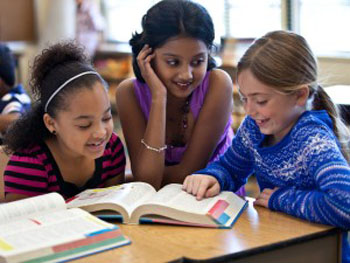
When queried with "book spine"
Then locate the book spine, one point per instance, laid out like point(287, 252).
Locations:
point(93, 243)
point(91, 239)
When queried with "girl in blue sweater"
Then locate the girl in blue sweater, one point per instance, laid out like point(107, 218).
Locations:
point(292, 138)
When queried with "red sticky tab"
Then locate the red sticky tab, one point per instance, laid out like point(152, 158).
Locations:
point(71, 199)
point(217, 209)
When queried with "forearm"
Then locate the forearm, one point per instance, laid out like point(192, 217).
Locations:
point(149, 170)
point(331, 207)
point(149, 164)
point(230, 171)
point(327, 201)
point(222, 174)
point(176, 174)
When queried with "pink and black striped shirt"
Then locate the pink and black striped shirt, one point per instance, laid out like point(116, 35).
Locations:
point(34, 171)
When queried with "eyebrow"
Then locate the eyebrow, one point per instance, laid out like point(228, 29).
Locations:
point(81, 117)
point(253, 94)
point(175, 55)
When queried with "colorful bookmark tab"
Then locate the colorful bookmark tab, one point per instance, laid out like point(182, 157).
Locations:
point(217, 212)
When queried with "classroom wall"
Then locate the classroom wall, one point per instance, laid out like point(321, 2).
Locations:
point(334, 71)
point(55, 21)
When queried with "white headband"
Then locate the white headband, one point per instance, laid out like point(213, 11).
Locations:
point(67, 82)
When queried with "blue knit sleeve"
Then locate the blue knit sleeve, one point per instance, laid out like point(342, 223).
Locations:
point(236, 164)
point(328, 202)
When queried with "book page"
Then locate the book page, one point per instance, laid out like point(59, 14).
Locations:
point(173, 196)
point(31, 206)
point(46, 230)
point(128, 195)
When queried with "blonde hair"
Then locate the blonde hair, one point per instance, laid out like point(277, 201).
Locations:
point(284, 61)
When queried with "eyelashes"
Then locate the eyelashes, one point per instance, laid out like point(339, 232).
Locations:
point(194, 63)
point(85, 127)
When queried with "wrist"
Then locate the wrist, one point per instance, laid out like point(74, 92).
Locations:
point(159, 97)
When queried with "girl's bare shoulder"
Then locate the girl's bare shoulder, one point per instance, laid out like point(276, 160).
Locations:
point(220, 79)
point(125, 86)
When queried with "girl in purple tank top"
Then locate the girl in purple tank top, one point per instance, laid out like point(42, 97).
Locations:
point(176, 114)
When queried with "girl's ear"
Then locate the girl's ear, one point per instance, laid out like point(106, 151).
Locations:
point(303, 95)
point(49, 122)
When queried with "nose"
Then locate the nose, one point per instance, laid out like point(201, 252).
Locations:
point(249, 108)
point(186, 73)
point(99, 132)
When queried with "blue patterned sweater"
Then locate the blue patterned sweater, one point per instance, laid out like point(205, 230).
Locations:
point(307, 165)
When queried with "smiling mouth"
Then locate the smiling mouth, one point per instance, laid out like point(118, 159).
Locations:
point(96, 144)
point(261, 122)
point(184, 84)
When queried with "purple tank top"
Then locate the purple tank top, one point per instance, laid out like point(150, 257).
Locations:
point(174, 154)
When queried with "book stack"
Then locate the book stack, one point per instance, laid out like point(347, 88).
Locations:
point(42, 229)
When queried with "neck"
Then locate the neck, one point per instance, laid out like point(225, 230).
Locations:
point(173, 101)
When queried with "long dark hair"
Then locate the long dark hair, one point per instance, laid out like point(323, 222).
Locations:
point(170, 18)
point(50, 69)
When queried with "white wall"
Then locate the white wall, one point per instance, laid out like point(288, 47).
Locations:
point(56, 21)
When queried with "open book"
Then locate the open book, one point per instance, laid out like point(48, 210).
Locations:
point(42, 229)
point(139, 202)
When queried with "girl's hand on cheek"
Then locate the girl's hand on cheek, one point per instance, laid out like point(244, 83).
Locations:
point(264, 197)
point(144, 62)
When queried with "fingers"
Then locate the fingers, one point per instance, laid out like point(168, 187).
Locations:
point(261, 202)
point(264, 197)
point(144, 52)
point(201, 186)
point(201, 189)
point(214, 190)
point(185, 183)
point(144, 57)
point(190, 184)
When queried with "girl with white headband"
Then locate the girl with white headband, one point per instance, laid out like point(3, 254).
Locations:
point(66, 143)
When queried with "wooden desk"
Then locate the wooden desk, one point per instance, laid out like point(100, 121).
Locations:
point(259, 235)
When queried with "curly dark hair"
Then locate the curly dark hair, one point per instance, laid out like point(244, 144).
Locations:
point(53, 67)
point(170, 18)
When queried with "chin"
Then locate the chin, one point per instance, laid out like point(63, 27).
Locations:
point(93, 155)
point(266, 132)
point(183, 95)
point(96, 156)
